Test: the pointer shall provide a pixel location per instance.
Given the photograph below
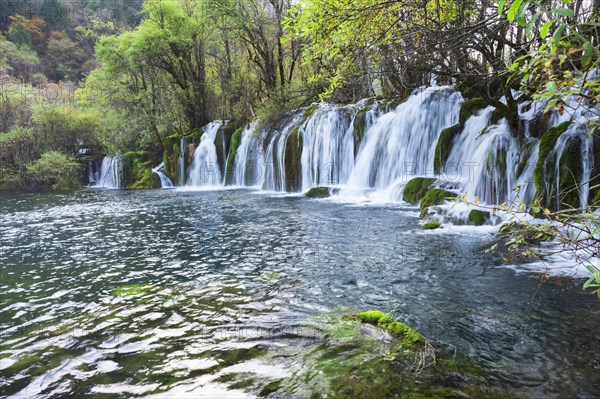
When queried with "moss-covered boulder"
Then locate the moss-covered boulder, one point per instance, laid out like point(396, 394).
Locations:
point(444, 146)
point(310, 110)
point(171, 157)
point(431, 225)
point(469, 108)
point(137, 169)
point(318, 192)
point(416, 188)
point(236, 140)
point(435, 196)
point(478, 217)
point(293, 161)
point(409, 338)
point(545, 167)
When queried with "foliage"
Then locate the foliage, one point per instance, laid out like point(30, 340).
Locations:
point(56, 171)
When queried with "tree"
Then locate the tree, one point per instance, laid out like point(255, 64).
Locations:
point(18, 35)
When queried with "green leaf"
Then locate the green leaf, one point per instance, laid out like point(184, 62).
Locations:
point(558, 34)
point(587, 54)
point(514, 8)
point(545, 29)
point(563, 12)
point(501, 7)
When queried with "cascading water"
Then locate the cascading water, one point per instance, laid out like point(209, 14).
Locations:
point(249, 160)
point(204, 170)
point(328, 151)
point(273, 178)
point(111, 172)
point(165, 182)
point(401, 143)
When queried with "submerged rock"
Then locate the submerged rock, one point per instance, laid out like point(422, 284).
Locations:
point(478, 217)
point(319, 192)
point(435, 196)
point(431, 225)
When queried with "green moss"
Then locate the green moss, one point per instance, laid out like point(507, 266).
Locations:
point(223, 143)
point(435, 196)
point(318, 192)
point(478, 218)
point(570, 174)
point(595, 180)
point(409, 338)
point(133, 290)
point(469, 108)
point(310, 110)
point(236, 140)
point(416, 189)
point(444, 146)
point(431, 225)
point(138, 171)
point(293, 161)
point(360, 126)
point(547, 143)
point(171, 157)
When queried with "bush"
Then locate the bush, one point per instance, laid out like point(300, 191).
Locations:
point(54, 171)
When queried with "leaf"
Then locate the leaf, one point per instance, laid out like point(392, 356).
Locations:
point(587, 54)
point(596, 230)
point(563, 12)
point(558, 33)
point(545, 29)
point(501, 7)
point(514, 8)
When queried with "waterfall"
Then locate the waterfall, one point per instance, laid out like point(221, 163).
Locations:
point(401, 143)
point(273, 177)
point(93, 172)
point(249, 161)
point(111, 172)
point(165, 182)
point(204, 170)
point(328, 151)
point(483, 160)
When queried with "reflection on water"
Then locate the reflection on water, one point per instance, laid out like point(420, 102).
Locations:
point(216, 294)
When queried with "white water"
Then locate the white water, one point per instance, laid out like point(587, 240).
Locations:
point(204, 170)
point(273, 178)
point(401, 144)
point(328, 146)
point(165, 182)
point(249, 159)
point(111, 172)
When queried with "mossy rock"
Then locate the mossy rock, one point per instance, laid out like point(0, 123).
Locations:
point(171, 158)
point(594, 199)
point(435, 196)
point(236, 140)
point(478, 217)
point(547, 143)
point(409, 338)
point(431, 225)
point(318, 192)
point(469, 108)
point(310, 110)
point(570, 174)
point(360, 127)
point(138, 173)
point(444, 146)
point(293, 161)
point(416, 188)
point(223, 143)
point(539, 124)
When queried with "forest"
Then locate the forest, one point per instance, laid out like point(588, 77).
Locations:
point(119, 76)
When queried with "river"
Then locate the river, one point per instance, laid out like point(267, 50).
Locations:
point(178, 293)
